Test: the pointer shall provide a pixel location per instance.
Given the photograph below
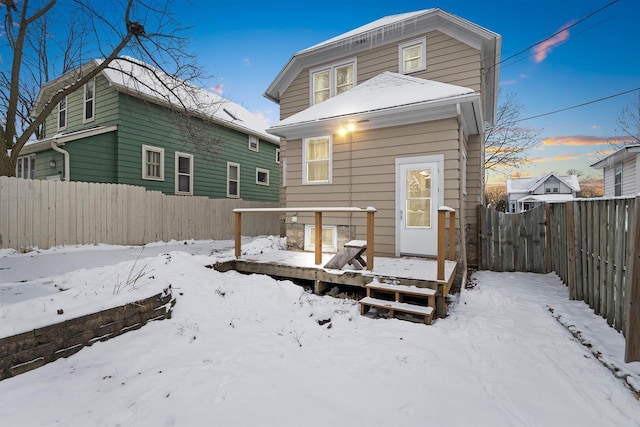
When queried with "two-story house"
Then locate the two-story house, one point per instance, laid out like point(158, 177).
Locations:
point(127, 127)
point(389, 115)
point(524, 194)
point(621, 171)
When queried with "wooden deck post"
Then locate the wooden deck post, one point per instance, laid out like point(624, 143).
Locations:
point(441, 234)
point(318, 248)
point(370, 242)
point(632, 347)
point(452, 236)
point(238, 234)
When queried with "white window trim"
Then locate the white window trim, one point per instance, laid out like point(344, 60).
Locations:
point(305, 180)
point(423, 55)
point(229, 165)
point(93, 103)
point(277, 156)
point(284, 172)
point(265, 171)
point(190, 156)
point(332, 77)
point(256, 140)
point(309, 229)
point(66, 113)
point(146, 148)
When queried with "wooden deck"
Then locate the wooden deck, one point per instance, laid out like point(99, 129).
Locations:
point(419, 272)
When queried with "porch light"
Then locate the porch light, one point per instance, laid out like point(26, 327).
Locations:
point(52, 164)
point(349, 128)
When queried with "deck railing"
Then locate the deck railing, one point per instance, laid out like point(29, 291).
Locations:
point(318, 225)
point(442, 212)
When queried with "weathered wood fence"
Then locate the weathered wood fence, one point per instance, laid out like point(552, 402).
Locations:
point(591, 244)
point(43, 214)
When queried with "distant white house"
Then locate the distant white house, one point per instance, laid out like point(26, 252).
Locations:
point(527, 193)
point(621, 171)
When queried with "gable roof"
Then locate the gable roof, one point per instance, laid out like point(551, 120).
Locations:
point(527, 185)
point(620, 155)
point(136, 78)
point(388, 99)
point(394, 28)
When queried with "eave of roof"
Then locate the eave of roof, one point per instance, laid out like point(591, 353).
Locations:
point(622, 154)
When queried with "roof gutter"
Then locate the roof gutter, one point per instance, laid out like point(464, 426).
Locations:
point(65, 153)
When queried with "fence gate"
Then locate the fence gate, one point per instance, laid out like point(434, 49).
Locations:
point(512, 242)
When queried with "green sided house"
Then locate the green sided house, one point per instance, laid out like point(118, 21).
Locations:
point(389, 115)
point(119, 129)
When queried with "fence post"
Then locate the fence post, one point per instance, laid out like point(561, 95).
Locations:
point(318, 236)
point(479, 239)
point(632, 347)
point(571, 251)
point(547, 232)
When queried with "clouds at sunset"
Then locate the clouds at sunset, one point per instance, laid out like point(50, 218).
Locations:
point(584, 140)
point(560, 158)
point(542, 50)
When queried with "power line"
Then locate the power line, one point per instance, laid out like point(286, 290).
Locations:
point(580, 105)
point(557, 32)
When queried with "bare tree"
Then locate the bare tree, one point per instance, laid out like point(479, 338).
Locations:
point(40, 49)
point(507, 143)
point(629, 125)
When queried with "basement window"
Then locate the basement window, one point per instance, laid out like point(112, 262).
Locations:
point(329, 238)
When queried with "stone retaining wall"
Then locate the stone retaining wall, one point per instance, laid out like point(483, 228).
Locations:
point(29, 350)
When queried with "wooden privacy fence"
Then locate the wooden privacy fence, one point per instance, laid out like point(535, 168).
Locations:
point(591, 244)
point(512, 242)
point(43, 214)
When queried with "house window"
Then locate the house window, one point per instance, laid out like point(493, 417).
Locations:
point(617, 186)
point(329, 238)
point(254, 143)
point(332, 81)
point(62, 114)
point(552, 186)
point(26, 167)
point(413, 56)
point(233, 179)
point(89, 100)
point(262, 176)
point(152, 163)
point(316, 159)
point(277, 155)
point(184, 174)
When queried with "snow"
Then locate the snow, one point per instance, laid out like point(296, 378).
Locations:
point(245, 350)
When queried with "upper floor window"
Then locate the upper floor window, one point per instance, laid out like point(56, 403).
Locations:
point(26, 167)
point(332, 80)
point(184, 173)
point(617, 183)
point(62, 114)
point(233, 179)
point(152, 163)
point(89, 100)
point(316, 160)
point(254, 143)
point(413, 56)
point(552, 186)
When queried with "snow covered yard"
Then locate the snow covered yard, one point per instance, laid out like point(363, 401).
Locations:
point(249, 350)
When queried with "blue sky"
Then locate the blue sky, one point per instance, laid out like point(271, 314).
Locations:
point(243, 45)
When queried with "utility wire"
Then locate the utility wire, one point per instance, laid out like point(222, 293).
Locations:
point(579, 105)
point(557, 32)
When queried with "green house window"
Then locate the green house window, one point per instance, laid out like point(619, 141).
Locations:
point(184, 174)
point(152, 163)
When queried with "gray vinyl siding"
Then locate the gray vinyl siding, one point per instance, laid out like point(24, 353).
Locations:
point(609, 181)
point(373, 175)
point(629, 177)
point(105, 110)
point(448, 61)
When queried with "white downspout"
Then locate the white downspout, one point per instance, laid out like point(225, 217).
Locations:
point(54, 146)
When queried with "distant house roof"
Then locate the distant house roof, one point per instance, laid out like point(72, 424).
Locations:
point(546, 198)
point(528, 185)
point(620, 155)
point(136, 78)
point(395, 28)
point(388, 99)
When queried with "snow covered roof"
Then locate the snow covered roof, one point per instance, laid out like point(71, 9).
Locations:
point(547, 198)
point(620, 155)
point(388, 99)
point(526, 185)
point(136, 78)
point(392, 29)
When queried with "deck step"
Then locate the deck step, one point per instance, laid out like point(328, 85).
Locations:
point(395, 306)
point(408, 290)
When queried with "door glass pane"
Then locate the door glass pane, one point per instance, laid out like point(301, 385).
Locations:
point(418, 202)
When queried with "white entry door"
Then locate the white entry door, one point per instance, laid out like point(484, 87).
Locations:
point(417, 202)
